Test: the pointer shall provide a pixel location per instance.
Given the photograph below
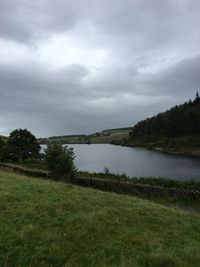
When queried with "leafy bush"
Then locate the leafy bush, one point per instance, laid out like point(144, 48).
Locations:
point(60, 161)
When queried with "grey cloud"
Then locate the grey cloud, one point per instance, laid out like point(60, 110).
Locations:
point(161, 37)
point(11, 21)
point(32, 95)
point(25, 20)
point(21, 19)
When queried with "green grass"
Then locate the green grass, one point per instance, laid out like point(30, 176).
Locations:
point(44, 223)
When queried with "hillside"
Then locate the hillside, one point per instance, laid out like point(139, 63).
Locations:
point(177, 129)
point(178, 121)
point(44, 223)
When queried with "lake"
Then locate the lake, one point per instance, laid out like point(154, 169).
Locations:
point(135, 161)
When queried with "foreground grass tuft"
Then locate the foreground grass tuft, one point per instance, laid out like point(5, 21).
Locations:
point(44, 223)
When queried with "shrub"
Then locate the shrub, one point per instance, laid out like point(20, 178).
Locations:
point(60, 161)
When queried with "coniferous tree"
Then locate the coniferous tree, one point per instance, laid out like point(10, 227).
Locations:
point(180, 120)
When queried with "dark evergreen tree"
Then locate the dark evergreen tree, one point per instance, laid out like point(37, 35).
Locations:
point(197, 99)
point(180, 120)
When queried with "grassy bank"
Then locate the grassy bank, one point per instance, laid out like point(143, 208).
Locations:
point(44, 223)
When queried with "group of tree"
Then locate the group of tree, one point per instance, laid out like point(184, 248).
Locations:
point(182, 120)
point(22, 145)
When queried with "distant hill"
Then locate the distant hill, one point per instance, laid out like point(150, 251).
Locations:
point(68, 136)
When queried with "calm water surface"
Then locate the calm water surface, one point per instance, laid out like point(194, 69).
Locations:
point(135, 162)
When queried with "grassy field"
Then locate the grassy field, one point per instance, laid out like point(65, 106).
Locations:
point(106, 137)
point(44, 223)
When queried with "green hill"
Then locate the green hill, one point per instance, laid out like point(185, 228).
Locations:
point(45, 223)
point(179, 121)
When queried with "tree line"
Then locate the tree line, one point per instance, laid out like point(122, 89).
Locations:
point(182, 120)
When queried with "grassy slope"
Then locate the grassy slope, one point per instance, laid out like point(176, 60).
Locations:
point(114, 136)
point(44, 223)
point(104, 137)
point(185, 143)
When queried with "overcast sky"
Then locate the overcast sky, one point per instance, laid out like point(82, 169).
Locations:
point(80, 66)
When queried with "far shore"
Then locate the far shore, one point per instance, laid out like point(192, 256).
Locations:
point(189, 151)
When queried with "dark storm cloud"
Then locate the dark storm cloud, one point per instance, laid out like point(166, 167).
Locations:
point(82, 66)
